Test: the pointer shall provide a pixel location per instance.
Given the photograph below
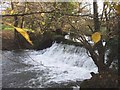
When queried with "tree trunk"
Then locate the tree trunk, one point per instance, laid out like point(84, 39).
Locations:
point(118, 41)
point(16, 39)
point(99, 46)
point(23, 18)
point(96, 20)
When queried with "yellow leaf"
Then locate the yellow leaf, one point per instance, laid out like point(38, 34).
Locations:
point(3, 12)
point(30, 30)
point(96, 37)
point(12, 12)
point(43, 23)
point(8, 9)
point(24, 34)
point(117, 7)
point(42, 14)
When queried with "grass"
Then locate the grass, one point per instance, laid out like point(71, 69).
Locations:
point(7, 28)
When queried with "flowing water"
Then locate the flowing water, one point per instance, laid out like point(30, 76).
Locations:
point(51, 67)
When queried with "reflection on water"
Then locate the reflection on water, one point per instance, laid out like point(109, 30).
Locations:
point(56, 65)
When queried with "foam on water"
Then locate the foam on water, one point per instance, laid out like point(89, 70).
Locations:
point(64, 62)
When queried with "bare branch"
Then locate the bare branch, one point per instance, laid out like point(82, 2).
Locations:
point(90, 28)
point(23, 14)
point(88, 53)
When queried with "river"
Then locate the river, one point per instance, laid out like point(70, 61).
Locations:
point(52, 67)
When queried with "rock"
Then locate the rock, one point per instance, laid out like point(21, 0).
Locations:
point(92, 73)
point(104, 80)
point(50, 37)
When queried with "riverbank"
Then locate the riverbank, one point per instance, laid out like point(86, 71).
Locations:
point(40, 41)
point(104, 80)
point(7, 40)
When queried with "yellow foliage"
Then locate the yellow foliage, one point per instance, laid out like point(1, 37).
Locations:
point(117, 7)
point(111, 0)
point(25, 29)
point(43, 23)
point(8, 8)
point(115, 0)
point(42, 14)
point(12, 12)
point(24, 34)
point(3, 12)
point(96, 37)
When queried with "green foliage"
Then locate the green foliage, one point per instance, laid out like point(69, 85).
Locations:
point(6, 27)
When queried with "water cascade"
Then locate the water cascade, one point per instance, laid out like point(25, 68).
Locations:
point(59, 63)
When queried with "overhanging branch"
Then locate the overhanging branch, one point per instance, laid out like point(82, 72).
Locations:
point(24, 14)
point(31, 13)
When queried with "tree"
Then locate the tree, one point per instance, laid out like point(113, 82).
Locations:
point(99, 50)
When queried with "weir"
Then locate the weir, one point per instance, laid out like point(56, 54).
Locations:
point(58, 64)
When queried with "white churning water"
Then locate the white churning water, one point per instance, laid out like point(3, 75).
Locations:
point(64, 62)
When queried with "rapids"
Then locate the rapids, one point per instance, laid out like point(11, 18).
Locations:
point(58, 64)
